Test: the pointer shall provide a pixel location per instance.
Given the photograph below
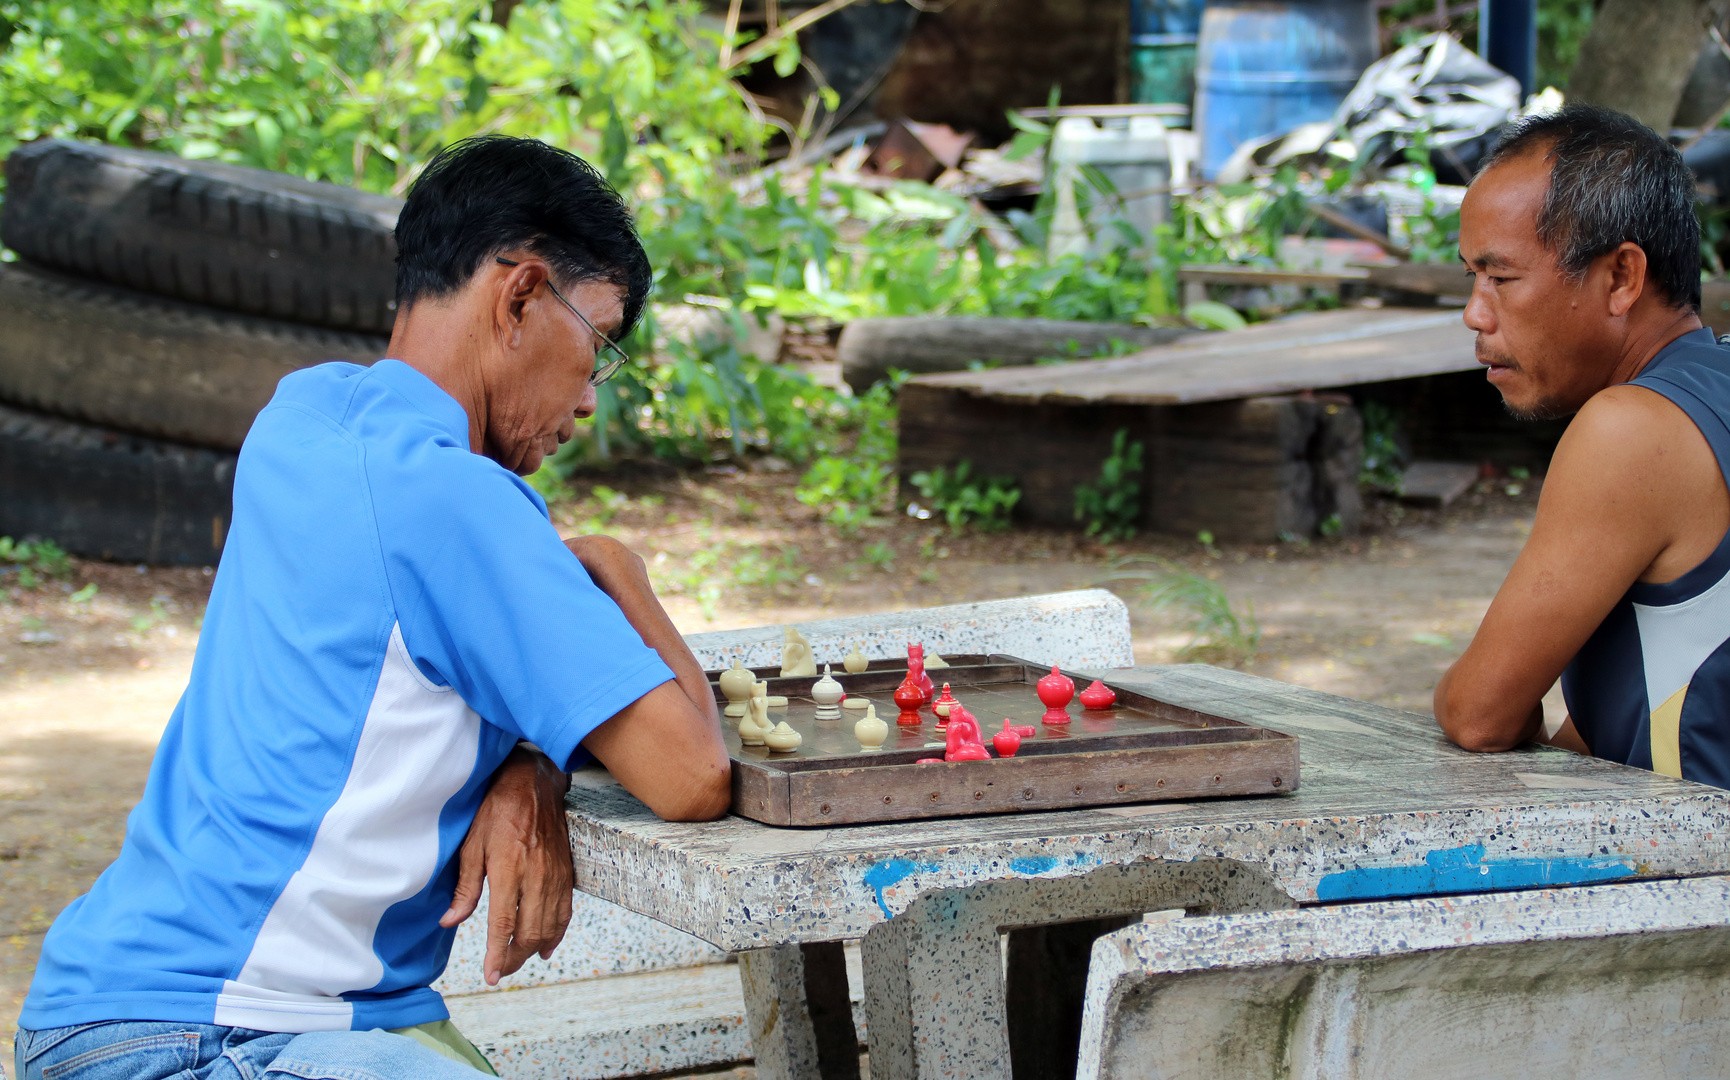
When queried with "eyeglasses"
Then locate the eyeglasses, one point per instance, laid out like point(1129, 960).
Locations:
point(609, 358)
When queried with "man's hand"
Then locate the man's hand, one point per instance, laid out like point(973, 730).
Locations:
point(518, 842)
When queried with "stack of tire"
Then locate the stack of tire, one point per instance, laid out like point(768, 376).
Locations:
point(154, 306)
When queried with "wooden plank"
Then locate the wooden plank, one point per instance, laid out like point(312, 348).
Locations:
point(1333, 349)
point(1436, 483)
point(1429, 279)
point(1255, 275)
point(921, 344)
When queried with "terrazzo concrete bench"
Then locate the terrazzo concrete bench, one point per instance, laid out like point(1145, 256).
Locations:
point(626, 994)
point(1619, 982)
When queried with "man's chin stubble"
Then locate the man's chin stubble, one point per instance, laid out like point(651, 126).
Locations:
point(1544, 409)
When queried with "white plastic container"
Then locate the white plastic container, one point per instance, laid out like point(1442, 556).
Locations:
point(1134, 157)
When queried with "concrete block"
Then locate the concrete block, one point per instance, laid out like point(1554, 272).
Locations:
point(625, 1025)
point(1084, 628)
point(603, 939)
point(1621, 981)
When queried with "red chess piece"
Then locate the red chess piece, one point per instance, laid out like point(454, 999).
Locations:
point(963, 742)
point(1055, 692)
point(1007, 741)
point(908, 697)
point(916, 656)
point(1026, 731)
point(1098, 697)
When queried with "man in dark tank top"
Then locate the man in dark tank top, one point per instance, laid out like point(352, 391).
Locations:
point(1581, 238)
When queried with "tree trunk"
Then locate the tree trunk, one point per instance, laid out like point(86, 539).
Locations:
point(1638, 55)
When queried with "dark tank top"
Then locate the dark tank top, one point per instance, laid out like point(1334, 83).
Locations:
point(1651, 686)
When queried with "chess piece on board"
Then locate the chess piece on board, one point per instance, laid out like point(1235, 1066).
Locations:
point(827, 693)
point(1007, 741)
point(755, 723)
point(908, 698)
point(916, 666)
point(1098, 697)
point(783, 739)
point(736, 687)
point(1055, 692)
point(871, 731)
point(933, 662)
point(796, 658)
point(942, 705)
point(962, 741)
point(855, 702)
point(855, 661)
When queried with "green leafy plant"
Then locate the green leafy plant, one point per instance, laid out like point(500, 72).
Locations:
point(1219, 632)
point(1384, 458)
point(963, 498)
point(879, 555)
point(852, 490)
point(1112, 506)
point(33, 561)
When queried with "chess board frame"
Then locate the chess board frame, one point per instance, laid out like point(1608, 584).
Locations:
point(1178, 754)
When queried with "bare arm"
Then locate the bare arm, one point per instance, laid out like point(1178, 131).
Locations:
point(665, 747)
point(1634, 494)
point(519, 845)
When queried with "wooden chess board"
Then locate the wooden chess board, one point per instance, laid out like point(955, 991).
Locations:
point(1140, 750)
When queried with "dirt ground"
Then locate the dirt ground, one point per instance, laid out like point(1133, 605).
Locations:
point(87, 685)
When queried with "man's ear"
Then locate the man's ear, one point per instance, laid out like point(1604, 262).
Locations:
point(514, 290)
point(1627, 267)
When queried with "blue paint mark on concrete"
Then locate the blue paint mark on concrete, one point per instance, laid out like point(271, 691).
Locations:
point(1463, 870)
point(1036, 864)
point(887, 873)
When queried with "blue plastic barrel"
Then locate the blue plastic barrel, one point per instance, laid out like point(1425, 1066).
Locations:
point(1266, 66)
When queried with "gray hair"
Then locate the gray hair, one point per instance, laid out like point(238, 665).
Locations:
point(1614, 181)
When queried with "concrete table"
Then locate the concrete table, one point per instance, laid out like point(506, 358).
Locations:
point(1387, 809)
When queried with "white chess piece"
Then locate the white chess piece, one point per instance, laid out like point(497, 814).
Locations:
point(783, 739)
point(855, 661)
point(755, 723)
point(871, 730)
point(827, 693)
point(736, 687)
point(796, 658)
point(934, 661)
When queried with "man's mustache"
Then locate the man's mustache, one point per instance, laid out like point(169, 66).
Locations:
point(1486, 355)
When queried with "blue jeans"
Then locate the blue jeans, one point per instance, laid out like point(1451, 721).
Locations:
point(157, 1050)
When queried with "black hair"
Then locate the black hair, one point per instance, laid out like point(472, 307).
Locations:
point(487, 195)
point(1613, 181)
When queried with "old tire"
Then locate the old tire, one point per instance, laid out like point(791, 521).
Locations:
point(144, 364)
point(234, 238)
point(105, 495)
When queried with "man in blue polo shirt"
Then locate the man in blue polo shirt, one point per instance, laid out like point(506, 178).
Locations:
point(394, 620)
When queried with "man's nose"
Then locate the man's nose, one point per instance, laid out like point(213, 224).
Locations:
point(585, 407)
point(1480, 315)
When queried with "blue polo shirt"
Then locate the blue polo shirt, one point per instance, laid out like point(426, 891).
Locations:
point(392, 613)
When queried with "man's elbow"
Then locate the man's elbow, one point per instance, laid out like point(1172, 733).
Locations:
point(705, 796)
point(1467, 726)
point(1480, 739)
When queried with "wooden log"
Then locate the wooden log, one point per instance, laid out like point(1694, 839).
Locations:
point(869, 348)
point(1253, 469)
